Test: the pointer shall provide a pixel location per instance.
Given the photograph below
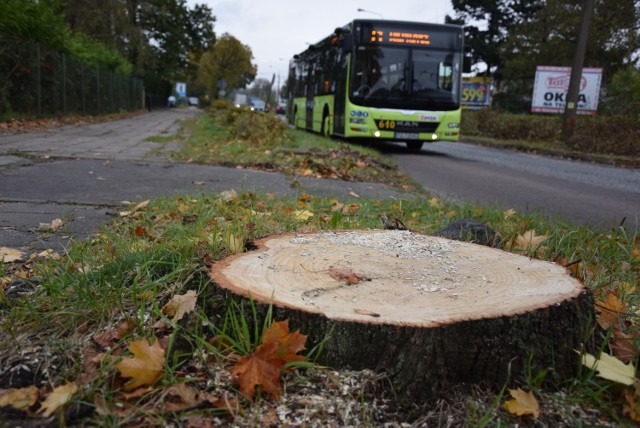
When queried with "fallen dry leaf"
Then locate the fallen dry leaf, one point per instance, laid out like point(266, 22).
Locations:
point(345, 274)
point(228, 195)
point(20, 398)
point(10, 255)
point(623, 345)
point(509, 213)
point(142, 205)
point(234, 243)
point(523, 403)
point(264, 366)
point(632, 407)
point(610, 310)
point(145, 367)
point(529, 240)
point(611, 368)
point(180, 305)
point(58, 397)
point(179, 397)
point(302, 215)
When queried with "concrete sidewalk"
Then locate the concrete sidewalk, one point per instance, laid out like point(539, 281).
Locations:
point(82, 173)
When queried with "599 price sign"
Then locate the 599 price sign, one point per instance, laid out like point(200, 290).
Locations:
point(476, 92)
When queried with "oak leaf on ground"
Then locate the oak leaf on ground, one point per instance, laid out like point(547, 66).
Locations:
point(264, 366)
point(145, 367)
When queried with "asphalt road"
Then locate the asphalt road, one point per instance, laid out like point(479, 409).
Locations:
point(584, 193)
point(82, 174)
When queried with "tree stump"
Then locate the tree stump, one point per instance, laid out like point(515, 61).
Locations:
point(426, 310)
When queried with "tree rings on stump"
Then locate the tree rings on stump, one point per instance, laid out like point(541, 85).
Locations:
point(427, 310)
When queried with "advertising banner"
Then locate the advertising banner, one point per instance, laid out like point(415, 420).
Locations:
point(551, 86)
point(476, 92)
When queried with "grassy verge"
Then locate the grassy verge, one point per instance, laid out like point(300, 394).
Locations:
point(67, 323)
point(247, 139)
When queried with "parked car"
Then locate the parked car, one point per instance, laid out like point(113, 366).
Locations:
point(257, 104)
point(193, 101)
point(281, 107)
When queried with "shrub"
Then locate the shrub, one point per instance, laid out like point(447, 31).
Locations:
point(254, 127)
point(614, 135)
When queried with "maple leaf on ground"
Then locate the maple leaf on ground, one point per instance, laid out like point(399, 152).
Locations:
point(611, 368)
point(21, 398)
point(523, 403)
point(610, 310)
point(145, 367)
point(632, 407)
point(10, 255)
point(302, 215)
point(529, 240)
point(264, 366)
point(58, 397)
point(180, 305)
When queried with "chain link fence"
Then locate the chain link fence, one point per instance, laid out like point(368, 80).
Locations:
point(37, 81)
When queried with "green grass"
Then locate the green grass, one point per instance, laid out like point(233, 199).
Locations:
point(219, 138)
point(134, 266)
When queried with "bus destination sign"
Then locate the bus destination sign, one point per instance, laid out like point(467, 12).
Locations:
point(400, 37)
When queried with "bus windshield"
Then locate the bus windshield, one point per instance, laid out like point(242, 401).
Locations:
point(405, 77)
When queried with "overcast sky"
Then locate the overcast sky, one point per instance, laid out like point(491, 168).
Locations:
point(277, 29)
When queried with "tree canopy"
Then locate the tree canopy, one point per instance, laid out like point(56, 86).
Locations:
point(511, 36)
point(229, 60)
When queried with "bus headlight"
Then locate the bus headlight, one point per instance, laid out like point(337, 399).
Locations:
point(434, 137)
point(377, 133)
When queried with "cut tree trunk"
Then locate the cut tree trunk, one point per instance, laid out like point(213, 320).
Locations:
point(426, 310)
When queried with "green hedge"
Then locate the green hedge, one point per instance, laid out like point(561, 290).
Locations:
point(614, 135)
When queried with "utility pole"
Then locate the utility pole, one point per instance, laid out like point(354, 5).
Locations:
point(569, 122)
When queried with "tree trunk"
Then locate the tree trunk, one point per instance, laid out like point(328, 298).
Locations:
point(426, 310)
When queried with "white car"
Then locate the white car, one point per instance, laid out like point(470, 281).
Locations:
point(257, 104)
point(193, 101)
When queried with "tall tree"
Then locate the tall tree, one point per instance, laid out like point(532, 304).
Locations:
point(487, 26)
point(550, 37)
point(157, 36)
point(229, 60)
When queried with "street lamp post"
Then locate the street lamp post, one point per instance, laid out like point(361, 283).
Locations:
point(370, 11)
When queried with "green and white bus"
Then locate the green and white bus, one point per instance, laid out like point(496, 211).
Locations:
point(380, 80)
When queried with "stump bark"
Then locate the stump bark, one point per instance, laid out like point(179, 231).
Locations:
point(426, 310)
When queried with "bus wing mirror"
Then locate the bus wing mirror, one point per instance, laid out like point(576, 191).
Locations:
point(467, 62)
point(347, 42)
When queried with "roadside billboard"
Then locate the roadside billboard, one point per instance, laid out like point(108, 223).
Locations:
point(551, 86)
point(476, 92)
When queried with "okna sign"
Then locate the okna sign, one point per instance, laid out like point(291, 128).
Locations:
point(551, 86)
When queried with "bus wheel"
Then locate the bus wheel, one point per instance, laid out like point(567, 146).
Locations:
point(326, 125)
point(414, 146)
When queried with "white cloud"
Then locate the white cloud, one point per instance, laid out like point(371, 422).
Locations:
point(277, 29)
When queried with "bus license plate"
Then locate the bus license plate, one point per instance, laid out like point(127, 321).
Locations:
point(406, 135)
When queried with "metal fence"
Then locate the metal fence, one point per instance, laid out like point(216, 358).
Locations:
point(37, 81)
